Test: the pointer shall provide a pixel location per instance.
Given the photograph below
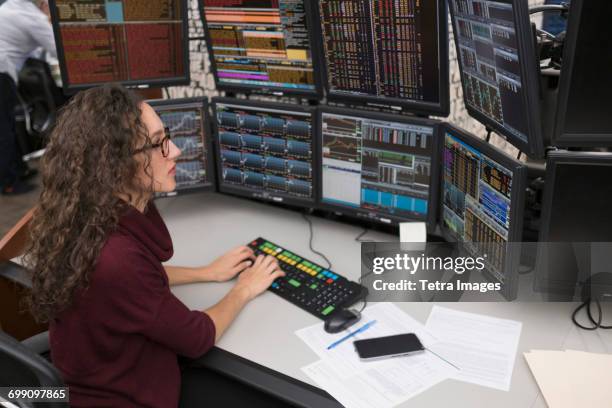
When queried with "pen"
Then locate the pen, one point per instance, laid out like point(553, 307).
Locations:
point(351, 334)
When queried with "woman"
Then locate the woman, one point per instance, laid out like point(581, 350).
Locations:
point(96, 255)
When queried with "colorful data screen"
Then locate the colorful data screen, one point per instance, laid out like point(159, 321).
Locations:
point(260, 44)
point(128, 41)
point(265, 152)
point(476, 194)
point(377, 167)
point(387, 51)
point(186, 123)
point(487, 39)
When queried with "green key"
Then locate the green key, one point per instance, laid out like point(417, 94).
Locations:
point(327, 310)
point(314, 286)
point(294, 282)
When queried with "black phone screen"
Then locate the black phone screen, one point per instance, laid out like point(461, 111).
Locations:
point(388, 345)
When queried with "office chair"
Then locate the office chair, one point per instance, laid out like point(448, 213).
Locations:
point(23, 367)
point(39, 98)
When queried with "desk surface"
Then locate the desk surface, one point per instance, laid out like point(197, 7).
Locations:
point(205, 225)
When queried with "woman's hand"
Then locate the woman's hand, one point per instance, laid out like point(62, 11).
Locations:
point(251, 282)
point(256, 279)
point(230, 264)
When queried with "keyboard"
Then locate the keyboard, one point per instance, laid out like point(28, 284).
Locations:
point(307, 285)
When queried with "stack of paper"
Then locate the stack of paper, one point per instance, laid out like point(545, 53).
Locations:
point(383, 383)
point(572, 378)
point(464, 346)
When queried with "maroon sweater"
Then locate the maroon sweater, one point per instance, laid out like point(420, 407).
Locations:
point(117, 345)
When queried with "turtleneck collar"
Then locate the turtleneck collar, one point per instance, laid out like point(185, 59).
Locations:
point(148, 228)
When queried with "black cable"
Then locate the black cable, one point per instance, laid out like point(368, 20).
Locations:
point(310, 241)
point(601, 326)
point(488, 139)
point(358, 237)
point(365, 298)
point(596, 324)
point(518, 156)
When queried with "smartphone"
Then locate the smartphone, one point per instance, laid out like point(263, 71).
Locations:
point(388, 346)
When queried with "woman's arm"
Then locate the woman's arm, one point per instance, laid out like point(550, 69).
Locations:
point(252, 282)
point(221, 269)
point(178, 275)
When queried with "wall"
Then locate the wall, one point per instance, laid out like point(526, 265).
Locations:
point(202, 82)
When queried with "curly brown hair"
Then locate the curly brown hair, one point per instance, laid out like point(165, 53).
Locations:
point(87, 166)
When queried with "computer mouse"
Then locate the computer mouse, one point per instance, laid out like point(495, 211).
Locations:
point(343, 319)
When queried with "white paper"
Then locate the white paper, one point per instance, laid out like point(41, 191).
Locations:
point(352, 393)
point(382, 383)
point(482, 347)
point(390, 320)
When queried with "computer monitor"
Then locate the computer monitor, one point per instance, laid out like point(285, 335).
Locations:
point(387, 52)
point(498, 68)
point(265, 150)
point(262, 46)
point(188, 122)
point(378, 167)
point(584, 103)
point(131, 42)
point(575, 214)
point(482, 204)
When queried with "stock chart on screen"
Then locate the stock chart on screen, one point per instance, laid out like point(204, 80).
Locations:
point(129, 41)
point(260, 43)
point(385, 51)
point(265, 151)
point(185, 120)
point(377, 165)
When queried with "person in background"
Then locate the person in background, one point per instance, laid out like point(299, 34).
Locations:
point(24, 27)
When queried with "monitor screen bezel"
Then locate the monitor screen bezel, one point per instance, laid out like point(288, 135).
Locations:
point(517, 200)
point(440, 108)
point(554, 160)
point(531, 84)
point(263, 196)
point(211, 184)
point(367, 215)
point(560, 136)
point(69, 88)
point(316, 93)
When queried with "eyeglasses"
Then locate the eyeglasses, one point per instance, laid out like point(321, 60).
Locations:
point(164, 144)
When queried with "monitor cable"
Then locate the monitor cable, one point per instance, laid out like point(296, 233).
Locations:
point(596, 323)
point(310, 239)
point(358, 238)
point(365, 297)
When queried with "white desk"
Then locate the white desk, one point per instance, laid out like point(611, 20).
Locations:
point(205, 225)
